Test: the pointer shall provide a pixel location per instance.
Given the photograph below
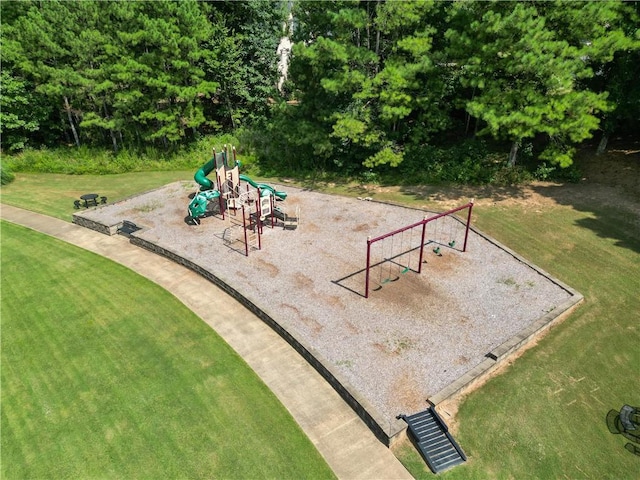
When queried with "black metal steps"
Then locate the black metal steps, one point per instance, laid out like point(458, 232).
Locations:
point(432, 438)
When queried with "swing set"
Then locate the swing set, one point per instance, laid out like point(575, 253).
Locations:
point(393, 254)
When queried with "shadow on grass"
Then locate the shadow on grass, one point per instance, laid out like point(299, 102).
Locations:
point(632, 448)
point(462, 193)
point(615, 426)
point(609, 191)
point(612, 218)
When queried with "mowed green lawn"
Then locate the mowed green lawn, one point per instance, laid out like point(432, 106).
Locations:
point(106, 375)
point(53, 194)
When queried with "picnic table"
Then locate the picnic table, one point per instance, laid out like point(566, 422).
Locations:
point(89, 200)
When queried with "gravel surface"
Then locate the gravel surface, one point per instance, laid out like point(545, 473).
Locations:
point(413, 336)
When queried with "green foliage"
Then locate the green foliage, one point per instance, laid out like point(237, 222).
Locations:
point(97, 161)
point(365, 80)
point(369, 83)
point(376, 78)
point(6, 175)
point(547, 172)
point(386, 156)
point(132, 74)
point(526, 79)
point(21, 112)
point(544, 171)
point(469, 162)
point(509, 175)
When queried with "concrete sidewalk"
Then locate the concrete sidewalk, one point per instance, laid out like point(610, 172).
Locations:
point(348, 446)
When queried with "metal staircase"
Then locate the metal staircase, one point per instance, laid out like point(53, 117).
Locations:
point(432, 438)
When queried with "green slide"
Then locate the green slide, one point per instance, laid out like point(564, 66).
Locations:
point(266, 189)
point(208, 192)
point(198, 206)
point(201, 175)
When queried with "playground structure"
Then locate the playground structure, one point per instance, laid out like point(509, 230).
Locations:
point(246, 209)
point(401, 251)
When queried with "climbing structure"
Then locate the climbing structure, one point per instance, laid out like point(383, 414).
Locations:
point(245, 207)
point(243, 222)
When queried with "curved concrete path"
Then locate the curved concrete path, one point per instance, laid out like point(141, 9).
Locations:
point(345, 442)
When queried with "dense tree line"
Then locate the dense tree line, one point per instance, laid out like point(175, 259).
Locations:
point(370, 84)
point(134, 73)
point(378, 82)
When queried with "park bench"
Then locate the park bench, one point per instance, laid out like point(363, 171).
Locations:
point(127, 227)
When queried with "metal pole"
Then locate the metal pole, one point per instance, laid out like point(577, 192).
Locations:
point(466, 233)
point(366, 288)
point(259, 226)
point(244, 226)
point(258, 210)
point(220, 199)
point(272, 204)
point(424, 231)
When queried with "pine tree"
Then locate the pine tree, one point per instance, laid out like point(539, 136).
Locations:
point(528, 75)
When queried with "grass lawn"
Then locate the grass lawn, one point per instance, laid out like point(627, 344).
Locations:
point(53, 194)
point(106, 375)
point(545, 416)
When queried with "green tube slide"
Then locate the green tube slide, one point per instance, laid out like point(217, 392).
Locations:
point(208, 192)
point(201, 175)
point(266, 189)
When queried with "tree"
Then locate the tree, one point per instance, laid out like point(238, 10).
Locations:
point(158, 79)
point(116, 69)
point(367, 80)
point(242, 58)
point(619, 78)
point(36, 44)
point(21, 112)
point(614, 57)
point(529, 75)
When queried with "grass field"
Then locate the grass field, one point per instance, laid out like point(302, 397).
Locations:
point(105, 375)
point(545, 416)
point(53, 194)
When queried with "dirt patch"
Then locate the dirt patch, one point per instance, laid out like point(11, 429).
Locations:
point(403, 389)
point(271, 269)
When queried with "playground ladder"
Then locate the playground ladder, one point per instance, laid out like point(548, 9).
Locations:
point(432, 437)
point(252, 237)
point(239, 228)
point(291, 223)
point(288, 222)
